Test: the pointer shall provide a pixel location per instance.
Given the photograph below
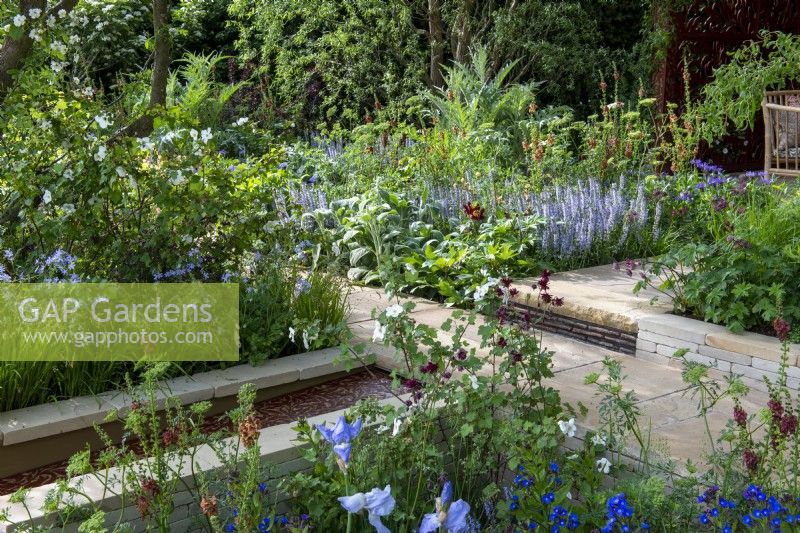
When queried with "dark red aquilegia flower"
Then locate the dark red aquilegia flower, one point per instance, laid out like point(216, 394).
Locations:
point(782, 329)
point(474, 211)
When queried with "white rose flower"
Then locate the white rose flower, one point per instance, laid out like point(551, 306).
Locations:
point(51, 21)
point(603, 465)
point(34, 13)
point(473, 380)
point(35, 34)
point(379, 333)
point(193, 134)
point(62, 13)
point(19, 20)
point(46, 197)
point(568, 427)
point(394, 311)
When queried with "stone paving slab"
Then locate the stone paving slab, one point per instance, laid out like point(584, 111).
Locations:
point(600, 295)
point(667, 408)
point(363, 300)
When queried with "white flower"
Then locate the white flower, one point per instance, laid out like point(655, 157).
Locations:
point(483, 290)
point(19, 20)
point(35, 34)
point(291, 334)
point(193, 134)
point(46, 197)
point(614, 105)
point(603, 465)
point(242, 121)
point(51, 21)
point(305, 339)
point(473, 380)
point(567, 427)
point(101, 153)
point(68, 209)
point(102, 121)
point(74, 39)
point(58, 47)
point(62, 13)
point(35, 13)
point(396, 426)
point(57, 66)
point(394, 311)
point(205, 135)
point(45, 124)
point(121, 172)
point(68, 174)
point(379, 333)
point(506, 294)
point(178, 179)
point(598, 439)
point(569, 495)
point(145, 143)
point(87, 91)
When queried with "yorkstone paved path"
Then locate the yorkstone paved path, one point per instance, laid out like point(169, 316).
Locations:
point(663, 397)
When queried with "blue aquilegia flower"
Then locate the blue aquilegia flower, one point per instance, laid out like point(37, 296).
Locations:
point(452, 517)
point(340, 436)
point(377, 502)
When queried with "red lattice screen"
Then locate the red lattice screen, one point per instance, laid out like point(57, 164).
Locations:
point(706, 32)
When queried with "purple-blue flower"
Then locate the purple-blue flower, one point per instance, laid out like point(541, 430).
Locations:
point(341, 432)
point(340, 436)
point(377, 502)
point(453, 517)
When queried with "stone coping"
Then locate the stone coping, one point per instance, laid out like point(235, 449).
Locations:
point(598, 295)
point(47, 420)
point(277, 444)
point(714, 340)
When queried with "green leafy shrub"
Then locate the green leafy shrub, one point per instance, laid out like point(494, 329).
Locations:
point(317, 56)
point(284, 311)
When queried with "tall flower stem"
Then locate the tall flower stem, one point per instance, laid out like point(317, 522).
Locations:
point(347, 493)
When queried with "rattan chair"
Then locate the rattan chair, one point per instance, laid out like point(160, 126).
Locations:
point(782, 132)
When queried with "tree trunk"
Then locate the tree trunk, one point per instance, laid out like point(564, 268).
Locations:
point(161, 60)
point(462, 34)
point(436, 38)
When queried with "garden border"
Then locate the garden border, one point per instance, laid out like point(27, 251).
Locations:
point(47, 425)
